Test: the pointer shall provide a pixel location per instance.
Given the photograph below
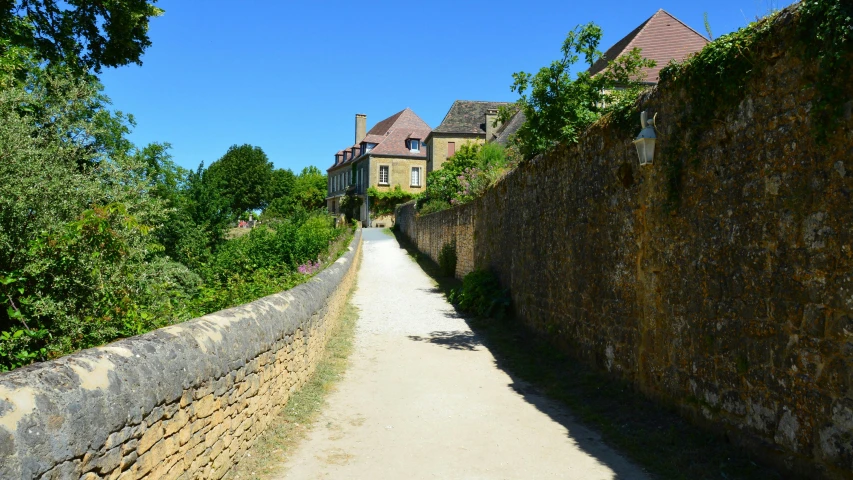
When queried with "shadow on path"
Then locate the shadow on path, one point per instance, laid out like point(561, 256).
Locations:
point(451, 340)
point(570, 392)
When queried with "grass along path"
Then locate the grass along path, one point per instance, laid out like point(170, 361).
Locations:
point(295, 420)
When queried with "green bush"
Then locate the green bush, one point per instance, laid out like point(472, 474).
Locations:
point(434, 205)
point(481, 294)
point(447, 259)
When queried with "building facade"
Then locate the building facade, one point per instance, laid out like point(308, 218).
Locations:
point(392, 154)
point(467, 121)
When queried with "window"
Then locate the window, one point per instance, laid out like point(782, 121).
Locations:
point(451, 149)
point(383, 174)
point(416, 176)
point(414, 145)
point(370, 146)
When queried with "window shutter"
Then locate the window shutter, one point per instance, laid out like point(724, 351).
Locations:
point(451, 149)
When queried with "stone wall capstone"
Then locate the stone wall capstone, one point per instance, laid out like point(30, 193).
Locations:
point(185, 401)
point(736, 304)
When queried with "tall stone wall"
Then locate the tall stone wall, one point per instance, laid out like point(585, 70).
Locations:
point(432, 232)
point(731, 298)
point(183, 402)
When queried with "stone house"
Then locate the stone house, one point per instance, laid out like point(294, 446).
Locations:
point(467, 121)
point(391, 154)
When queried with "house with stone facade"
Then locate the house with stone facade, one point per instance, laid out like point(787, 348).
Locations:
point(467, 121)
point(389, 155)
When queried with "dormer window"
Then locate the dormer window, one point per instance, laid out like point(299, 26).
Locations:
point(414, 144)
point(354, 152)
point(345, 155)
point(369, 146)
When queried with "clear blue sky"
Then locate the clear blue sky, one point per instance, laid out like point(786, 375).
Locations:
point(290, 76)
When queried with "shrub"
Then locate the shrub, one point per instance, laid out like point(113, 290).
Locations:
point(481, 294)
point(434, 205)
point(447, 259)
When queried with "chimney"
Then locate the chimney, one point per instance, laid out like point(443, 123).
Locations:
point(491, 114)
point(360, 127)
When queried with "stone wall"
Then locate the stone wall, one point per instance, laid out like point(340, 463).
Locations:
point(184, 401)
point(727, 292)
point(432, 232)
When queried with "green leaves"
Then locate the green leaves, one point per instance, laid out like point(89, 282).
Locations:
point(481, 294)
point(557, 107)
point(825, 34)
point(84, 35)
point(384, 202)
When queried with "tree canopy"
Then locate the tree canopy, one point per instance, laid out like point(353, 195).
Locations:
point(244, 174)
point(84, 34)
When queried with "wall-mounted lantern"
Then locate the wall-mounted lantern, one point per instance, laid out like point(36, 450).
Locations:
point(645, 141)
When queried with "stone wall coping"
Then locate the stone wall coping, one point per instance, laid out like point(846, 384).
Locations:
point(55, 411)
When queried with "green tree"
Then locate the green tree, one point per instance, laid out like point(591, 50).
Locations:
point(309, 190)
point(557, 107)
point(307, 193)
point(84, 34)
point(281, 184)
point(75, 218)
point(243, 174)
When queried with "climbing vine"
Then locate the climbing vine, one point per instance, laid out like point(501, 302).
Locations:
point(825, 33)
point(716, 78)
point(383, 203)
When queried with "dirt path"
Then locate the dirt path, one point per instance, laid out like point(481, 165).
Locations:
point(424, 399)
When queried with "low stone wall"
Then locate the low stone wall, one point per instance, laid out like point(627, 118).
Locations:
point(184, 401)
point(719, 279)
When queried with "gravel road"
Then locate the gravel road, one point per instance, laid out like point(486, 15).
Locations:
point(423, 399)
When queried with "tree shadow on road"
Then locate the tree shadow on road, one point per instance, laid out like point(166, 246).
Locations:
point(455, 340)
point(595, 408)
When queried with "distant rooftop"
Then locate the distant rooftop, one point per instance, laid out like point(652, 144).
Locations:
point(390, 136)
point(661, 38)
point(467, 117)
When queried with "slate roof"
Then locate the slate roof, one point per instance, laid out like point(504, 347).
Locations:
point(467, 117)
point(661, 38)
point(390, 136)
point(510, 128)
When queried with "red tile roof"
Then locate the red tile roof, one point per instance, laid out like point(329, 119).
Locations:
point(390, 136)
point(661, 38)
point(406, 125)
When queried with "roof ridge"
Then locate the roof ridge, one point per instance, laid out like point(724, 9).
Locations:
point(639, 30)
point(684, 24)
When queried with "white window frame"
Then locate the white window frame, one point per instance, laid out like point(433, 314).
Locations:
point(387, 175)
point(414, 145)
point(412, 175)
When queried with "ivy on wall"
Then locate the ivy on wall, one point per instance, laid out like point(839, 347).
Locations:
point(383, 203)
point(715, 79)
